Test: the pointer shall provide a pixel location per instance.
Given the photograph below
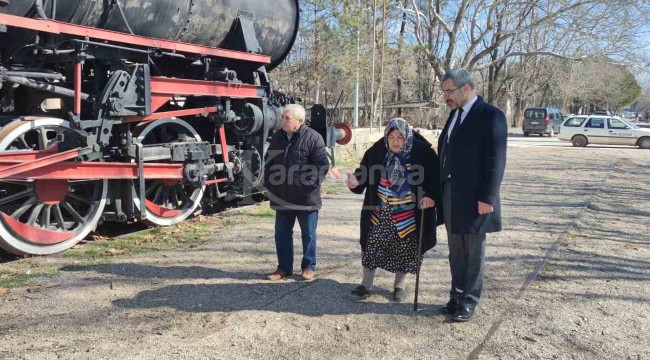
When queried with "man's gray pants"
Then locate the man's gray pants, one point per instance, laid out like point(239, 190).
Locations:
point(466, 257)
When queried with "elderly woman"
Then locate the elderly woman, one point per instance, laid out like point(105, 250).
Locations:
point(397, 173)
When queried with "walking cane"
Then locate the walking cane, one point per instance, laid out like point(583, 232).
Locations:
point(417, 271)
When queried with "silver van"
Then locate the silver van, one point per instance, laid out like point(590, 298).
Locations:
point(542, 121)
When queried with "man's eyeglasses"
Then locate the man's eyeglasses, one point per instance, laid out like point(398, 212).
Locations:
point(450, 91)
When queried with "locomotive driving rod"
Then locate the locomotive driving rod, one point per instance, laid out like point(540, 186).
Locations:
point(47, 165)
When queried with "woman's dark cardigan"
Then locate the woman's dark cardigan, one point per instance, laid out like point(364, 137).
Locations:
point(372, 169)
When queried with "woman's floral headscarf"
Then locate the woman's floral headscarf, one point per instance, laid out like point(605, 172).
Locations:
point(396, 162)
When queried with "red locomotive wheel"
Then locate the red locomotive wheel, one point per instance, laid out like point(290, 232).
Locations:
point(41, 217)
point(167, 203)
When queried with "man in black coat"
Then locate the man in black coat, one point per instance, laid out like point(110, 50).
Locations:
point(472, 148)
point(295, 167)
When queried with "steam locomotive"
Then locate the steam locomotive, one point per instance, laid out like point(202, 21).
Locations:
point(142, 110)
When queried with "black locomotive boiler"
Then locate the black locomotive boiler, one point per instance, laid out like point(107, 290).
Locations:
point(120, 110)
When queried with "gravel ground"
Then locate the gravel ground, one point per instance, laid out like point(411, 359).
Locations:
point(590, 301)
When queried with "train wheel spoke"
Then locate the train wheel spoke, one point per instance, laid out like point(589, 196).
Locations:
point(45, 216)
point(156, 197)
point(24, 207)
point(34, 215)
point(173, 197)
point(153, 187)
point(42, 139)
point(59, 217)
point(73, 212)
point(19, 182)
point(15, 196)
point(24, 143)
point(181, 192)
point(80, 198)
point(165, 196)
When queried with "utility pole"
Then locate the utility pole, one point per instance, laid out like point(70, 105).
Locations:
point(356, 86)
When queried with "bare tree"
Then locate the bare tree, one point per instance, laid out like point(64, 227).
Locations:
point(524, 53)
point(479, 34)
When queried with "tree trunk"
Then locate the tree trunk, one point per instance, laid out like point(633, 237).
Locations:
point(374, 47)
point(317, 61)
point(379, 98)
point(517, 116)
point(400, 45)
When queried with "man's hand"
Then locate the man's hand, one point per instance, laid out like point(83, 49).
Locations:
point(427, 202)
point(484, 208)
point(334, 173)
point(352, 181)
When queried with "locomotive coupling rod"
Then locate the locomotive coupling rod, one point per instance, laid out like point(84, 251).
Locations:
point(38, 163)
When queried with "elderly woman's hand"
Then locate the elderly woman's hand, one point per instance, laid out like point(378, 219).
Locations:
point(427, 202)
point(352, 181)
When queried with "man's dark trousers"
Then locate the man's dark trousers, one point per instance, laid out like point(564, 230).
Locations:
point(466, 257)
point(284, 222)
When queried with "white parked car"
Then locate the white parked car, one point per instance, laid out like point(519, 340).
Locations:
point(582, 130)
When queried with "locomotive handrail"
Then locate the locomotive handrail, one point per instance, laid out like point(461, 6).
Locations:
point(58, 27)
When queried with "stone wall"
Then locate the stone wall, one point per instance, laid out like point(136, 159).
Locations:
point(363, 138)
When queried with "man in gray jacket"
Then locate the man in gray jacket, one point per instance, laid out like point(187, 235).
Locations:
point(295, 167)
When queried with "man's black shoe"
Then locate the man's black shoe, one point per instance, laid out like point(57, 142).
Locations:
point(464, 313)
point(451, 307)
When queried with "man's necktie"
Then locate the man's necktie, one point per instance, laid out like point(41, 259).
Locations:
point(457, 124)
point(446, 168)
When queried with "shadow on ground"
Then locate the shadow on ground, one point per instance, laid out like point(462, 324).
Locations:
point(158, 272)
point(320, 297)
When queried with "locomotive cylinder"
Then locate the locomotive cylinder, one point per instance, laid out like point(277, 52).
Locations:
point(201, 22)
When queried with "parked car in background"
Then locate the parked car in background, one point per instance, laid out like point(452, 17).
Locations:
point(542, 121)
point(582, 130)
point(602, 112)
point(629, 114)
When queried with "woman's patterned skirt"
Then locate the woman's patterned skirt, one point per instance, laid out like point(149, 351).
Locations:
point(386, 250)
